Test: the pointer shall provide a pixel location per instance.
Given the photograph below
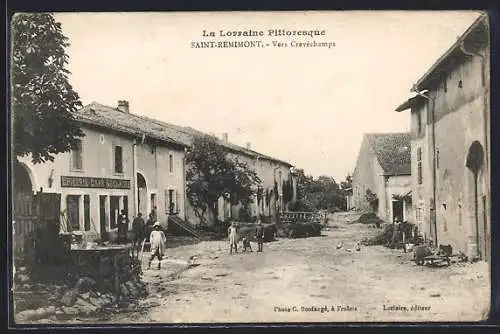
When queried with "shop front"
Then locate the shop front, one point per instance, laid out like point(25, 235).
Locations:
point(92, 205)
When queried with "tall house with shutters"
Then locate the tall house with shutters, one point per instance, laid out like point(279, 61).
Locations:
point(124, 162)
point(450, 144)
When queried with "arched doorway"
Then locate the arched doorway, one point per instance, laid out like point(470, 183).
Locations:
point(22, 188)
point(142, 195)
point(476, 202)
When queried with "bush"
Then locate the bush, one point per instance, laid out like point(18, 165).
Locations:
point(301, 230)
point(248, 231)
point(383, 238)
point(370, 218)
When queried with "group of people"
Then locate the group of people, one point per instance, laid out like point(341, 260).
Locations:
point(232, 233)
point(403, 232)
point(151, 231)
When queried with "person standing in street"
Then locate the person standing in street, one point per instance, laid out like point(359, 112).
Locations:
point(138, 229)
point(259, 236)
point(123, 227)
point(154, 214)
point(149, 226)
point(158, 244)
point(233, 238)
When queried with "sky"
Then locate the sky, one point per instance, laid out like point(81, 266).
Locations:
point(308, 106)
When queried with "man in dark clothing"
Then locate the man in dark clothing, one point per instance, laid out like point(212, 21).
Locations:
point(154, 214)
point(139, 231)
point(123, 227)
point(149, 225)
point(259, 235)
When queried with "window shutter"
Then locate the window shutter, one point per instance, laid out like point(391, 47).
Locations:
point(176, 201)
point(166, 200)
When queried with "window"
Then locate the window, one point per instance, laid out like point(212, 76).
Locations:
point(437, 158)
point(170, 163)
point(419, 165)
point(76, 156)
point(153, 200)
point(73, 212)
point(171, 201)
point(86, 212)
point(118, 159)
point(459, 214)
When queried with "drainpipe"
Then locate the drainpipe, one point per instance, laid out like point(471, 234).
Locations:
point(277, 188)
point(134, 178)
point(433, 139)
point(184, 182)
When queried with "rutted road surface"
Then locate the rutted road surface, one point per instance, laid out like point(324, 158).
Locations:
point(310, 280)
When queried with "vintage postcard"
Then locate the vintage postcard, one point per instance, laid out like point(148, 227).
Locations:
point(250, 167)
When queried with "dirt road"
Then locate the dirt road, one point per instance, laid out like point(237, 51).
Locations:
point(310, 280)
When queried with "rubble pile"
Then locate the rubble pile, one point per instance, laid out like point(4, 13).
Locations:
point(370, 218)
point(91, 287)
point(382, 238)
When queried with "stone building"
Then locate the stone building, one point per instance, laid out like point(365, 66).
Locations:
point(123, 162)
point(383, 170)
point(450, 127)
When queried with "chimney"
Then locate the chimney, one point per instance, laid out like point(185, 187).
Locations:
point(224, 137)
point(249, 146)
point(123, 106)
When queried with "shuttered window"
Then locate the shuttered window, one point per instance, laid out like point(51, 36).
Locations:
point(86, 212)
point(419, 165)
point(170, 163)
point(76, 156)
point(118, 159)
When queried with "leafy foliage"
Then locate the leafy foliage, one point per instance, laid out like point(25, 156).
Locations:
point(287, 190)
point(212, 173)
point(347, 183)
point(322, 193)
point(372, 199)
point(42, 97)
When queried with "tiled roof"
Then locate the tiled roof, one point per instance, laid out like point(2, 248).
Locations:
point(393, 151)
point(477, 34)
point(101, 115)
point(98, 114)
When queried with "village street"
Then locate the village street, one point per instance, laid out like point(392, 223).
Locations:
point(312, 272)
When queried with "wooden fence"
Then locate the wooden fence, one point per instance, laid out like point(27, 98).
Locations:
point(35, 224)
point(302, 216)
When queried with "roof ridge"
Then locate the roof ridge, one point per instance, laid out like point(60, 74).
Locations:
point(186, 130)
point(97, 104)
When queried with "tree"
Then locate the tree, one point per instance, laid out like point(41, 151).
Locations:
point(347, 183)
point(212, 173)
point(42, 97)
point(372, 199)
point(322, 193)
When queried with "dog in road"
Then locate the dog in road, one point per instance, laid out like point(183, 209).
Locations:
point(246, 244)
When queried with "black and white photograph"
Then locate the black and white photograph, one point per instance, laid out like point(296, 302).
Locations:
point(250, 167)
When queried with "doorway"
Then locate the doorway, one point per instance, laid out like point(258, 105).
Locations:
point(73, 210)
point(142, 194)
point(477, 202)
point(114, 211)
point(397, 210)
point(102, 217)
